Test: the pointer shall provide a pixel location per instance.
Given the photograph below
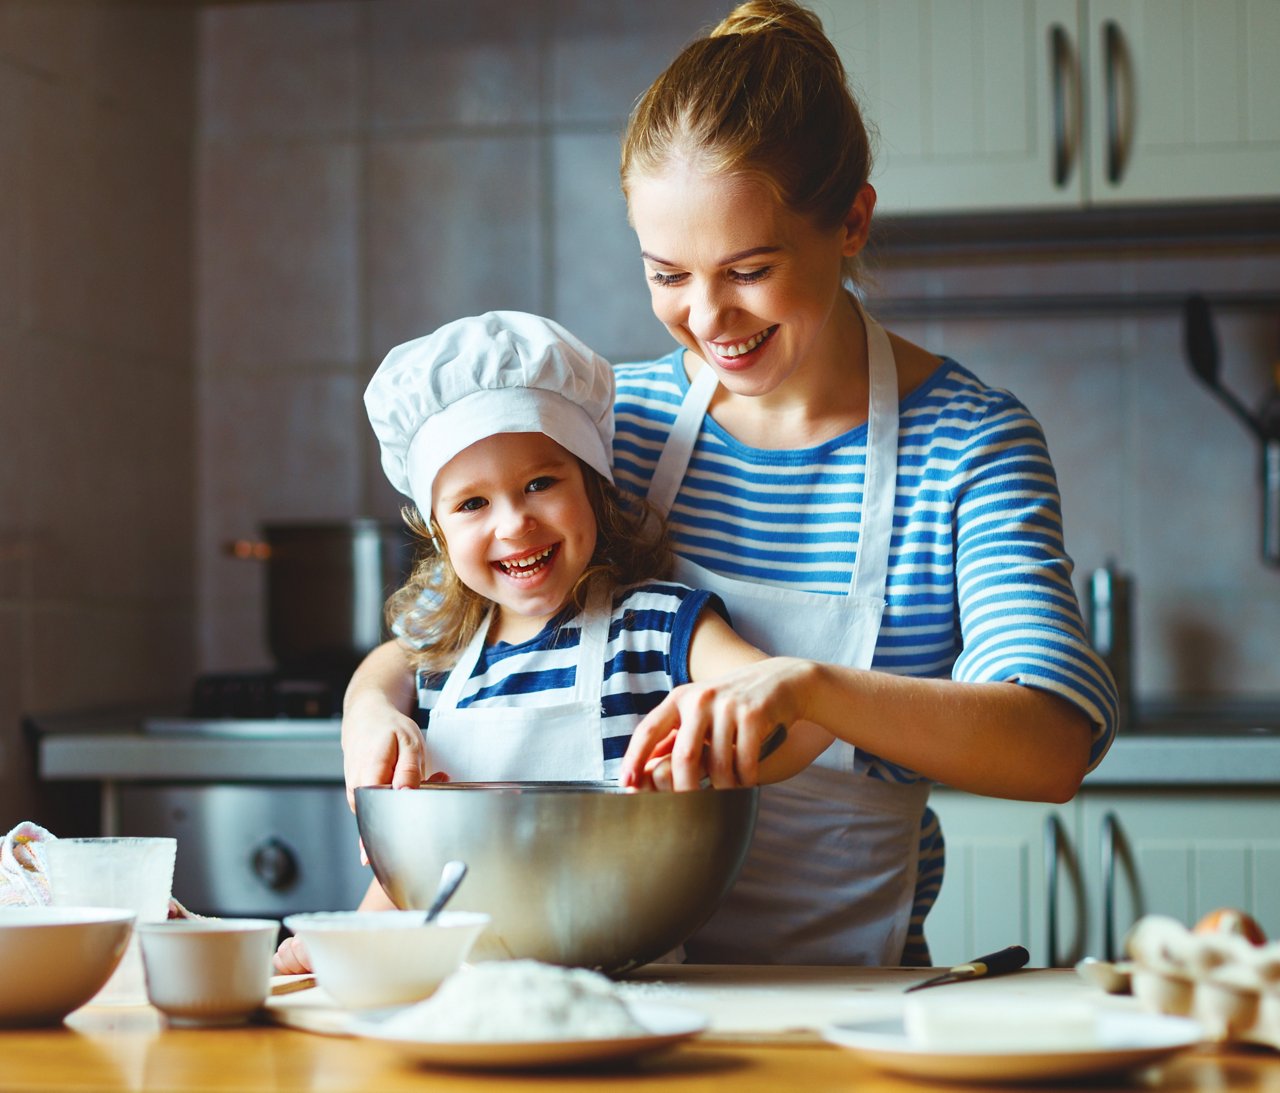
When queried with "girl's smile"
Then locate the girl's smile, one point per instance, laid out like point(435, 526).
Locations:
point(518, 527)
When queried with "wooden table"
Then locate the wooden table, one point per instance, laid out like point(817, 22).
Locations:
point(131, 1048)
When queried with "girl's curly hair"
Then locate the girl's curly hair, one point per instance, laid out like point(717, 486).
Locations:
point(436, 615)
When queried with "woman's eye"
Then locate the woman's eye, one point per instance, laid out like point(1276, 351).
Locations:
point(750, 276)
point(660, 278)
point(544, 482)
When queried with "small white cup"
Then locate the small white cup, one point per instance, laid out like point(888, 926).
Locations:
point(131, 873)
point(213, 971)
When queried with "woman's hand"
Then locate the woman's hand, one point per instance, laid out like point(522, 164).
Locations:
point(292, 957)
point(715, 729)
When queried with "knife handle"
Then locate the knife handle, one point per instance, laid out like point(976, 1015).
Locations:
point(997, 963)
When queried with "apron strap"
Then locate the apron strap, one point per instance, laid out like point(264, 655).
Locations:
point(880, 489)
point(674, 460)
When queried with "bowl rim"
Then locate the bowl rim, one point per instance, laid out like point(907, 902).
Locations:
point(604, 788)
point(208, 926)
point(55, 916)
point(363, 922)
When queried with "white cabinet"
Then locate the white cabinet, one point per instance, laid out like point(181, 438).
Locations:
point(1069, 880)
point(1043, 104)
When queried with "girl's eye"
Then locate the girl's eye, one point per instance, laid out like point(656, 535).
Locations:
point(659, 278)
point(750, 276)
point(544, 482)
point(472, 504)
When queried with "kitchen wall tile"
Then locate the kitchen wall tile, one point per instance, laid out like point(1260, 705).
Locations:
point(93, 656)
point(596, 281)
point(282, 70)
point(144, 63)
point(603, 56)
point(455, 62)
point(56, 198)
point(138, 257)
point(13, 112)
point(279, 254)
point(15, 417)
point(453, 229)
point(17, 798)
point(51, 40)
point(279, 447)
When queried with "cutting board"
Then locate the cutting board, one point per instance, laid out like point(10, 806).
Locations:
point(754, 1003)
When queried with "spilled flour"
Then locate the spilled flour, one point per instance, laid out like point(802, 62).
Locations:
point(518, 1000)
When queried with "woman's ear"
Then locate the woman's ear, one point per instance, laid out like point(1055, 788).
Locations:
point(857, 222)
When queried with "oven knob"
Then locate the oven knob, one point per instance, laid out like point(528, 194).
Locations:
point(274, 864)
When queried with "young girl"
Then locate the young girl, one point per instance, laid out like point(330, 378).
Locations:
point(542, 625)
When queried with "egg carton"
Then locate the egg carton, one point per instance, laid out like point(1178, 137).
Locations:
point(1226, 982)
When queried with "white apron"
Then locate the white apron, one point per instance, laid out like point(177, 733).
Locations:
point(830, 878)
point(560, 743)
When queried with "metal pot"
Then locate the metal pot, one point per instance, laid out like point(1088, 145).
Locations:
point(326, 587)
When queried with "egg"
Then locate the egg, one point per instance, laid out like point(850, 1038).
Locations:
point(1228, 920)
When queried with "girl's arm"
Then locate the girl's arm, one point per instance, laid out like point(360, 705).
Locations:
point(381, 743)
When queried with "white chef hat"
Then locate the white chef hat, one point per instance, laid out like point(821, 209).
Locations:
point(500, 372)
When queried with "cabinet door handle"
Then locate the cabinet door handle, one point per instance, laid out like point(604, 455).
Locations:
point(1053, 857)
point(1117, 66)
point(1062, 68)
point(1110, 836)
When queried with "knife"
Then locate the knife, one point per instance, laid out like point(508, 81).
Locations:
point(1006, 960)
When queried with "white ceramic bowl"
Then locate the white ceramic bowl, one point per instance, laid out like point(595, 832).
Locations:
point(54, 959)
point(208, 971)
point(385, 958)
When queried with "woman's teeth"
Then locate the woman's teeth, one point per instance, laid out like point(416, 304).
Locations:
point(523, 567)
point(739, 348)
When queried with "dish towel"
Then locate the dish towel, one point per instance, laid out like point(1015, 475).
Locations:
point(24, 877)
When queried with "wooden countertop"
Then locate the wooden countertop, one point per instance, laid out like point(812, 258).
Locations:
point(131, 1048)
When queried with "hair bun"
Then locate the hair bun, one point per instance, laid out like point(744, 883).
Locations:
point(758, 16)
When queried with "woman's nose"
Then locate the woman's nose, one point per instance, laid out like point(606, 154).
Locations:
point(708, 307)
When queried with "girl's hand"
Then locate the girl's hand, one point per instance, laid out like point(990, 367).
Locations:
point(715, 729)
point(380, 746)
point(292, 957)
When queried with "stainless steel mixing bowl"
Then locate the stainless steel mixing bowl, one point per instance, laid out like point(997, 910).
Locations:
point(574, 873)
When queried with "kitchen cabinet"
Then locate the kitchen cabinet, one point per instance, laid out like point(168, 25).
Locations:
point(1060, 104)
point(1069, 880)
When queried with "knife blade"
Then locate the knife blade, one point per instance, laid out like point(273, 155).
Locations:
point(998, 963)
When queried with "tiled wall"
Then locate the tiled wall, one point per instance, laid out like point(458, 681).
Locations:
point(96, 373)
point(371, 170)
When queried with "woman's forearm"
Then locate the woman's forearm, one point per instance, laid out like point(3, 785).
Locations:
point(996, 739)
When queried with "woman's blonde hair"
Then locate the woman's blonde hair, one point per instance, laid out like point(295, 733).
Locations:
point(763, 95)
point(436, 615)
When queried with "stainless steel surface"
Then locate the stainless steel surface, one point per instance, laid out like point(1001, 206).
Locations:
point(580, 874)
point(326, 586)
point(253, 850)
point(1109, 596)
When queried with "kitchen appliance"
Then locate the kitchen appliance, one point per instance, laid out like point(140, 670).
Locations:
point(1109, 605)
point(1202, 352)
point(327, 583)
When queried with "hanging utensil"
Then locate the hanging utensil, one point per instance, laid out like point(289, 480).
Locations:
point(999, 963)
point(1202, 351)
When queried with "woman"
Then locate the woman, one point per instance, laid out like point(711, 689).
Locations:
point(872, 514)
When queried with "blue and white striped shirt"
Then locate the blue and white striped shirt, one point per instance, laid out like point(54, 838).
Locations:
point(646, 655)
point(979, 584)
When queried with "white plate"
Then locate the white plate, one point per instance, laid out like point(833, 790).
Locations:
point(666, 1025)
point(1124, 1040)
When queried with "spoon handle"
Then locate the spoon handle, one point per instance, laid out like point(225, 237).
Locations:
point(450, 877)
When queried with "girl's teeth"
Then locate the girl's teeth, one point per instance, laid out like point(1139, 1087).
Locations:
point(740, 348)
point(526, 563)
